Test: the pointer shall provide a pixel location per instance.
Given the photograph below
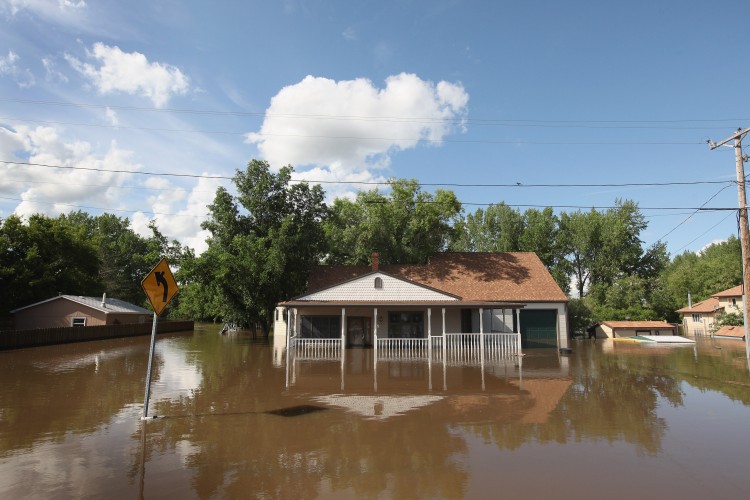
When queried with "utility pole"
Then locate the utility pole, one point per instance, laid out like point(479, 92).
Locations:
point(744, 231)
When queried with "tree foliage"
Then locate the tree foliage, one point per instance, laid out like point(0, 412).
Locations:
point(716, 268)
point(77, 254)
point(405, 225)
point(263, 243)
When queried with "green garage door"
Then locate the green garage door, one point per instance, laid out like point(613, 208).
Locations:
point(538, 328)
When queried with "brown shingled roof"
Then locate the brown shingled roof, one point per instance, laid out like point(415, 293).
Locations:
point(480, 276)
point(731, 292)
point(704, 306)
point(731, 331)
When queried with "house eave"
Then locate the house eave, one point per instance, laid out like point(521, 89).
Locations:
point(402, 303)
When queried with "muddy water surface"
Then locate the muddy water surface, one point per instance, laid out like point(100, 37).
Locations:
point(611, 420)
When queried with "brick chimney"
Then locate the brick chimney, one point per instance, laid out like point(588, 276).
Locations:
point(375, 261)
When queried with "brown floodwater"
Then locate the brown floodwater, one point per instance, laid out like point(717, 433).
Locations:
point(610, 420)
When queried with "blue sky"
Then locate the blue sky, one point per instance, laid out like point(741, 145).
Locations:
point(490, 94)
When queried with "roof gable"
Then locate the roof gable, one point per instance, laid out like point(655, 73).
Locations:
point(110, 305)
point(364, 288)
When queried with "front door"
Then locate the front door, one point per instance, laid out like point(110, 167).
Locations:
point(358, 331)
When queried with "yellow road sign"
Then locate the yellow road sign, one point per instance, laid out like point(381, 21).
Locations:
point(160, 286)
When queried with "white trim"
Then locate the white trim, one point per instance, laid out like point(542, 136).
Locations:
point(393, 290)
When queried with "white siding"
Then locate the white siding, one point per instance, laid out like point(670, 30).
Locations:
point(363, 289)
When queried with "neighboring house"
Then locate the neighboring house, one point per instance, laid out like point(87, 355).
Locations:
point(698, 319)
point(731, 332)
point(453, 293)
point(619, 329)
point(74, 310)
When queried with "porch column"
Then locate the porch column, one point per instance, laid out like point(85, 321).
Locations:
point(518, 326)
point(288, 325)
point(343, 328)
point(481, 332)
point(375, 332)
point(444, 340)
point(429, 333)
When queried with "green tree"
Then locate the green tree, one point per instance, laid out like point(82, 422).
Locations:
point(716, 268)
point(405, 225)
point(496, 229)
point(728, 319)
point(263, 243)
point(42, 259)
point(581, 240)
point(602, 247)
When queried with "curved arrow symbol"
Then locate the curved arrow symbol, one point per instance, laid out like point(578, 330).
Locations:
point(161, 281)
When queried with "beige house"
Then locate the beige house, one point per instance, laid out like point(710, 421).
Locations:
point(75, 310)
point(620, 329)
point(698, 319)
point(453, 294)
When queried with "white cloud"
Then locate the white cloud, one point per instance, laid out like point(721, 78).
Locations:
point(49, 9)
point(111, 115)
point(22, 76)
point(349, 33)
point(54, 191)
point(131, 73)
point(347, 128)
point(52, 74)
point(181, 224)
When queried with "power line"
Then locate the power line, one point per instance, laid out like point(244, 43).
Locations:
point(691, 215)
point(505, 123)
point(103, 209)
point(380, 183)
point(478, 121)
point(703, 233)
point(422, 202)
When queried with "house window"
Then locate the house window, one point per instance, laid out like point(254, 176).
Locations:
point(378, 282)
point(406, 325)
point(79, 322)
point(696, 318)
point(734, 302)
point(321, 327)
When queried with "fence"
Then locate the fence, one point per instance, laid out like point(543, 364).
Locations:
point(49, 336)
point(391, 348)
point(453, 347)
point(316, 348)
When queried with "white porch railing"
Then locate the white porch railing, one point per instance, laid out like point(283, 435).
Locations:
point(316, 348)
point(463, 348)
point(390, 348)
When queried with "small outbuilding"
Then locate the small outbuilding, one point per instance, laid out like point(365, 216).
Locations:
point(618, 329)
point(730, 332)
point(75, 310)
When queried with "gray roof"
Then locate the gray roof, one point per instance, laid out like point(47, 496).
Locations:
point(111, 305)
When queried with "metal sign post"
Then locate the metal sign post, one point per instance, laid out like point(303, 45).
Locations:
point(160, 286)
point(150, 366)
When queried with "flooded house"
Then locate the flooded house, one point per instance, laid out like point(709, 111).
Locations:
point(698, 319)
point(76, 310)
point(493, 302)
point(621, 329)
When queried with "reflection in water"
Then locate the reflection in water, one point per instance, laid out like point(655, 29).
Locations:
point(69, 422)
